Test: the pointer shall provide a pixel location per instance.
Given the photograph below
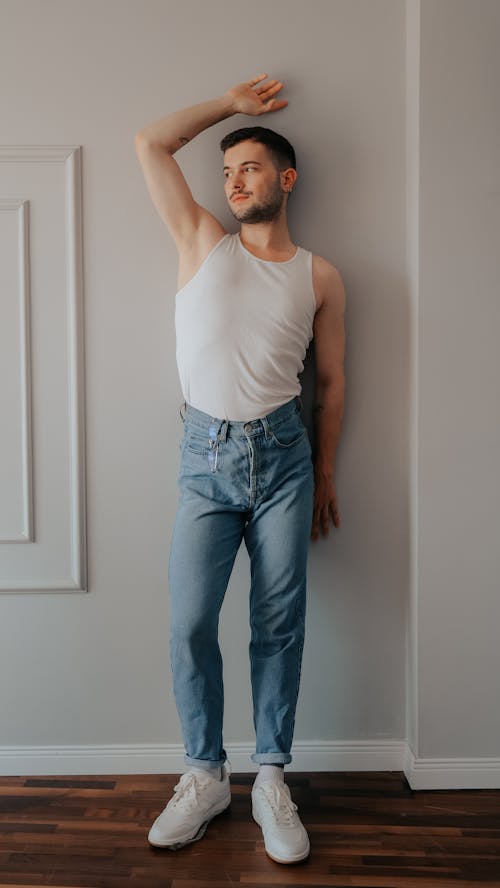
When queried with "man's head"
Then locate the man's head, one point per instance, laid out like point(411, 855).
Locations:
point(260, 164)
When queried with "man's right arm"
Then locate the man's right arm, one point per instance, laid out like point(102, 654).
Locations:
point(156, 144)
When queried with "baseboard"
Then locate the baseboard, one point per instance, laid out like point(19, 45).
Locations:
point(451, 773)
point(328, 755)
point(168, 758)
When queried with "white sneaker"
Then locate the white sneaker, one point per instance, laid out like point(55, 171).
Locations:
point(197, 799)
point(285, 838)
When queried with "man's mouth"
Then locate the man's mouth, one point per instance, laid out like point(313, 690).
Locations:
point(240, 196)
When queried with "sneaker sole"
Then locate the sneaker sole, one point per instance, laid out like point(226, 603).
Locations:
point(186, 840)
point(296, 859)
point(289, 859)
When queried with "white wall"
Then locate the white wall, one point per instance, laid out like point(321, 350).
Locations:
point(453, 215)
point(458, 442)
point(85, 679)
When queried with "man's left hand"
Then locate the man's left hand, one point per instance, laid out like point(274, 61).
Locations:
point(325, 505)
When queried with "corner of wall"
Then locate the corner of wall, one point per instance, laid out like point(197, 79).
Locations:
point(412, 264)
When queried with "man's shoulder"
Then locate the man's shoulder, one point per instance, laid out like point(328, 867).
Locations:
point(323, 266)
point(326, 279)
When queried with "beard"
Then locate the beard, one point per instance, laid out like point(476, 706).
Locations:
point(267, 211)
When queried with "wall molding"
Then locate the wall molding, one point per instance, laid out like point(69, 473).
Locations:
point(310, 756)
point(20, 207)
point(166, 758)
point(71, 156)
point(451, 773)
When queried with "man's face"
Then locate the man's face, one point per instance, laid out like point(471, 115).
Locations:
point(250, 172)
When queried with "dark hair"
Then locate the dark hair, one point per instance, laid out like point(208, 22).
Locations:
point(281, 151)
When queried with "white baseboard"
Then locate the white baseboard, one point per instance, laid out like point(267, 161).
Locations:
point(168, 758)
point(451, 773)
point(309, 756)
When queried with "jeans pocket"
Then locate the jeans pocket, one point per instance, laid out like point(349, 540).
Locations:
point(197, 440)
point(289, 432)
point(198, 443)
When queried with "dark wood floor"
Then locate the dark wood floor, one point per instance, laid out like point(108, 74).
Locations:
point(366, 829)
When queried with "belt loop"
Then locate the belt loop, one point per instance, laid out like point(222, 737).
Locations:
point(267, 428)
point(298, 401)
point(180, 409)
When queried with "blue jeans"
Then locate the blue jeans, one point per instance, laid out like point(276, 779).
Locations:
point(252, 480)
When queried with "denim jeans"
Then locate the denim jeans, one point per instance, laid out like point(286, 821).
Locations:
point(240, 480)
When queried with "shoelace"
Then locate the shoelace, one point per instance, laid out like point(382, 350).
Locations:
point(281, 804)
point(186, 791)
point(188, 787)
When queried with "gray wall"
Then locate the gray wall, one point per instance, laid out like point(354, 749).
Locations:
point(403, 591)
point(458, 381)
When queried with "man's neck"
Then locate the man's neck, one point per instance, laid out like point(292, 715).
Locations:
point(267, 237)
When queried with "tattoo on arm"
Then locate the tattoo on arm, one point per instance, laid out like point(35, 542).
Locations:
point(183, 139)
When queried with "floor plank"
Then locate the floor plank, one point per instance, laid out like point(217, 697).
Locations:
point(367, 830)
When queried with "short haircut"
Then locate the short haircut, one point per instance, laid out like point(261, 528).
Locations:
point(282, 153)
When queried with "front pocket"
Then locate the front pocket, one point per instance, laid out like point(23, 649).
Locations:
point(289, 433)
point(197, 441)
point(202, 448)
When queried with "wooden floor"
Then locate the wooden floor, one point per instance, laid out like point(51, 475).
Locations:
point(366, 829)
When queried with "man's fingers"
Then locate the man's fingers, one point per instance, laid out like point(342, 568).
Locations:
point(273, 105)
point(257, 79)
point(270, 88)
point(325, 519)
point(321, 518)
point(266, 86)
point(335, 515)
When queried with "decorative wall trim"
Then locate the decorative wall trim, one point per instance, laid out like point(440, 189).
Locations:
point(168, 758)
point(21, 208)
point(70, 155)
point(451, 773)
point(312, 756)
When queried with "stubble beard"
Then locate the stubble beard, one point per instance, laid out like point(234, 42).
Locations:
point(267, 211)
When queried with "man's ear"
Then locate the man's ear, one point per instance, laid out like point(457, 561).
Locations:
point(289, 177)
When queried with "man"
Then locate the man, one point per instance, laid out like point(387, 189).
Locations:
point(247, 306)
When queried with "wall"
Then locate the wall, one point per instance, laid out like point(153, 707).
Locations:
point(85, 678)
point(456, 533)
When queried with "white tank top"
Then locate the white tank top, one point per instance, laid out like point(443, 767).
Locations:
point(243, 325)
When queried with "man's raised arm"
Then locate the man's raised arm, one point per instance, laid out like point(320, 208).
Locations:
point(155, 145)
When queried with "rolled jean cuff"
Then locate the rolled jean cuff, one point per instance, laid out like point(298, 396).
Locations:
point(270, 758)
point(207, 764)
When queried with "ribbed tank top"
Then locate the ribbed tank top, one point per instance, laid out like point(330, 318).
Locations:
point(243, 325)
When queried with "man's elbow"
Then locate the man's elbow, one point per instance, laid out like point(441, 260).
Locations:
point(331, 387)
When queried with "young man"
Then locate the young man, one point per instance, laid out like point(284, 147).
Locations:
point(247, 306)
